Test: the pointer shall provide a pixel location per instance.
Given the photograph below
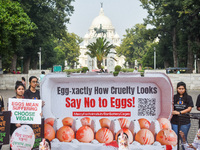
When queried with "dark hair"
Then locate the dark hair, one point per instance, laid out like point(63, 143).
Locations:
point(184, 94)
point(42, 72)
point(23, 78)
point(31, 78)
point(48, 143)
point(19, 83)
point(181, 84)
point(124, 134)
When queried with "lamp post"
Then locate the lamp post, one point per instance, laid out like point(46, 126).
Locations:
point(21, 64)
point(154, 58)
point(39, 54)
point(195, 63)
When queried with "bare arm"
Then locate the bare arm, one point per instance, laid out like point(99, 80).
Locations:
point(175, 112)
point(198, 108)
point(2, 109)
point(186, 110)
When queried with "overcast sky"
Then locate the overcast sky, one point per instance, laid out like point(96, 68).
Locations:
point(122, 13)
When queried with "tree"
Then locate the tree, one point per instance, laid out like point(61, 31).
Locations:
point(68, 49)
point(134, 44)
point(179, 20)
point(99, 49)
point(14, 25)
point(51, 17)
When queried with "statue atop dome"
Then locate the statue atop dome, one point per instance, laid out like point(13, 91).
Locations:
point(100, 30)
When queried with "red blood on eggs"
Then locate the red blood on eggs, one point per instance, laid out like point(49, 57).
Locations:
point(68, 121)
point(167, 137)
point(85, 134)
point(124, 123)
point(49, 132)
point(49, 121)
point(86, 121)
point(144, 137)
point(65, 134)
point(144, 123)
point(104, 135)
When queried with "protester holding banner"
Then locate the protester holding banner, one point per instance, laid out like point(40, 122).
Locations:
point(19, 89)
point(24, 82)
point(32, 92)
point(1, 104)
point(1, 108)
point(182, 105)
point(198, 105)
point(25, 119)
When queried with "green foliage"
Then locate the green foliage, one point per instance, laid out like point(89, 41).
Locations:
point(176, 24)
point(134, 45)
point(99, 49)
point(127, 70)
point(118, 68)
point(73, 70)
point(115, 73)
point(15, 25)
point(84, 69)
point(68, 49)
point(50, 16)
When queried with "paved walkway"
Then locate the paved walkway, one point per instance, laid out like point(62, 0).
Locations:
point(194, 93)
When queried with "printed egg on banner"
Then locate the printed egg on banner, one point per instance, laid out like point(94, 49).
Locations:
point(49, 121)
point(124, 123)
point(144, 123)
point(104, 135)
point(65, 134)
point(85, 134)
point(86, 121)
point(167, 137)
point(164, 123)
point(49, 132)
point(105, 122)
point(68, 121)
point(144, 137)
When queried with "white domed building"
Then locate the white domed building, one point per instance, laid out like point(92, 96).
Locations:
point(111, 35)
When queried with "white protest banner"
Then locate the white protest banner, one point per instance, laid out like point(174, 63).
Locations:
point(23, 138)
point(25, 111)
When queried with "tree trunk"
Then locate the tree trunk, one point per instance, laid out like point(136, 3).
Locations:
point(198, 66)
point(198, 54)
point(26, 65)
point(14, 63)
point(190, 58)
point(99, 64)
point(175, 53)
point(35, 65)
point(166, 64)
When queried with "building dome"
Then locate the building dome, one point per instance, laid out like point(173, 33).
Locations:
point(103, 20)
point(86, 36)
point(116, 36)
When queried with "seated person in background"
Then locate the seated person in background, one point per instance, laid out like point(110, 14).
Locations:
point(195, 145)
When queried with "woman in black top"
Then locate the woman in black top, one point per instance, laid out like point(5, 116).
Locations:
point(182, 105)
point(19, 89)
point(32, 92)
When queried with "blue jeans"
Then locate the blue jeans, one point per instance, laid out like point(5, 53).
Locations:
point(184, 128)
